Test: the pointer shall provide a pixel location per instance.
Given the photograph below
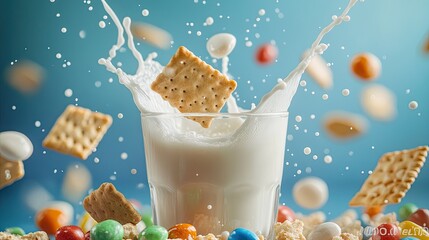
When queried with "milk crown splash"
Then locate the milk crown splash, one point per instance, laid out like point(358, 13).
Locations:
point(277, 100)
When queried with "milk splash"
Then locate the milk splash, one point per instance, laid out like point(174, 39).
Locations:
point(277, 100)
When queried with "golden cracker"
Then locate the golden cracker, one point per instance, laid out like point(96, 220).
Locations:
point(392, 178)
point(108, 203)
point(192, 86)
point(344, 125)
point(10, 172)
point(77, 131)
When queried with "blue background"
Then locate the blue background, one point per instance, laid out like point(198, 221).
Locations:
point(392, 30)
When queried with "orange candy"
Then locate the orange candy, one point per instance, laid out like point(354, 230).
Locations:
point(372, 211)
point(366, 66)
point(183, 231)
point(50, 219)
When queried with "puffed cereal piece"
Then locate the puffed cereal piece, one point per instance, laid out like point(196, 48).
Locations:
point(311, 221)
point(289, 230)
point(345, 236)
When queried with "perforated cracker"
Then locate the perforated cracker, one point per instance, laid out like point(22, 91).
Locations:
point(192, 86)
point(108, 203)
point(392, 177)
point(10, 172)
point(77, 131)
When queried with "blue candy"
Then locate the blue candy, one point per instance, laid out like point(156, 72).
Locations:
point(409, 238)
point(242, 234)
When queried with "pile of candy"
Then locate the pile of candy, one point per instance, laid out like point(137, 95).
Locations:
point(374, 224)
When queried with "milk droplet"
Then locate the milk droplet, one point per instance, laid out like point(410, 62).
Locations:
point(37, 123)
point(221, 45)
point(248, 43)
point(97, 84)
point(209, 21)
point(120, 115)
point(261, 12)
point(413, 105)
point(102, 24)
point(133, 171)
point(303, 83)
point(327, 159)
point(82, 34)
point(145, 12)
point(120, 139)
point(68, 92)
point(310, 193)
point(209, 207)
point(96, 160)
point(307, 150)
point(298, 118)
point(63, 30)
point(345, 92)
point(58, 55)
point(14, 107)
point(124, 155)
point(325, 96)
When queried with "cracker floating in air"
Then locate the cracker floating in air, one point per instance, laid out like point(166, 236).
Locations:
point(192, 86)
point(392, 177)
point(77, 131)
point(320, 72)
point(426, 45)
point(108, 203)
point(10, 172)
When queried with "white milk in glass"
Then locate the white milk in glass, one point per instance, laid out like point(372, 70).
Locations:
point(219, 178)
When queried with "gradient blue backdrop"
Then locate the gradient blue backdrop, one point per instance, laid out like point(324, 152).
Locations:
point(393, 30)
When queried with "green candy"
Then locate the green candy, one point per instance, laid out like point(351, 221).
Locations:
point(147, 220)
point(406, 210)
point(153, 232)
point(15, 231)
point(107, 230)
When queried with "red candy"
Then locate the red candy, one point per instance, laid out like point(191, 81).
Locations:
point(69, 233)
point(266, 54)
point(386, 231)
point(88, 235)
point(420, 217)
point(284, 213)
point(183, 231)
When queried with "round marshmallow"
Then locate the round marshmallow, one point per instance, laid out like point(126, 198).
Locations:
point(221, 45)
point(311, 192)
point(325, 231)
point(15, 146)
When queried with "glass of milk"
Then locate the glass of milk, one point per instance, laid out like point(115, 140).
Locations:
point(217, 178)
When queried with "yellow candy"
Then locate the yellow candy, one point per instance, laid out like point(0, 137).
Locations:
point(410, 229)
point(86, 222)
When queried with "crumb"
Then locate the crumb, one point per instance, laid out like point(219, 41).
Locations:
point(345, 236)
point(289, 230)
point(311, 221)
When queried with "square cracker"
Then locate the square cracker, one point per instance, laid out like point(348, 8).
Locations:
point(10, 172)
point(77, 131)
point(108, 203)
point(392, 177)
point(192, 86)
point(31, 236)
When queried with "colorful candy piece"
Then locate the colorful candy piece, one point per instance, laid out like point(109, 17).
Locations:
point(325, 231)
point(86, 222)
point(242, 234)
point(420, 217)
point(284, 213)
point(410, 229)
point(366, 66)
point(147, 220)
point(88, 235)
point(154, 232)
point(386, 231)
point(406, 210)
point(69, 233)
point(374, 210)
point(266, 54)
point(109, 229)
point(409, 238)
point(50, 219)
point(15, 231)
point(183, 231)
